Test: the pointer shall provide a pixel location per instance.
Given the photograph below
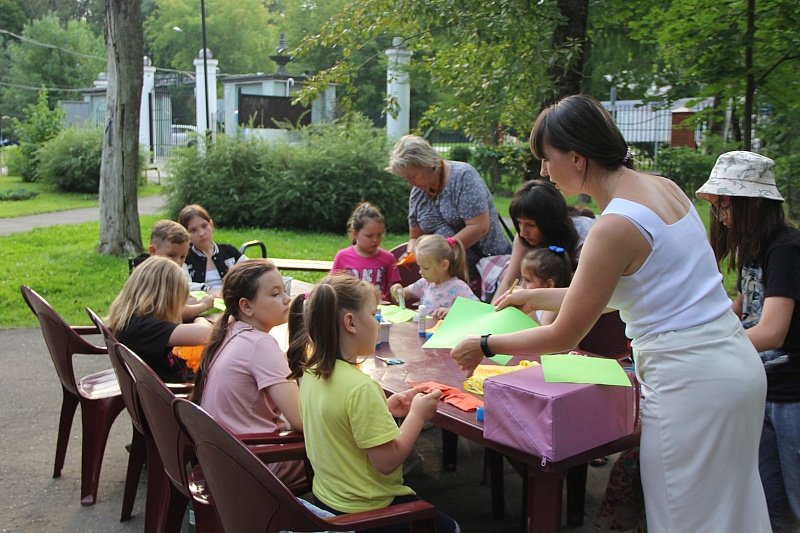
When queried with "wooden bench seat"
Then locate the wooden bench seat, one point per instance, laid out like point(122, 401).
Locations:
point(308, 265)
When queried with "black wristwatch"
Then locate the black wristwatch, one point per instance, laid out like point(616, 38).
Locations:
point(485, 345)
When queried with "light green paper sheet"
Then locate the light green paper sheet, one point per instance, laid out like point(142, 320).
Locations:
point(502, 360)
point(219, 303)
point(395, 314)
point(580, 369)
point(468, 317)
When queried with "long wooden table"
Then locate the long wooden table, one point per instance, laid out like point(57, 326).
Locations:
point(544, 479)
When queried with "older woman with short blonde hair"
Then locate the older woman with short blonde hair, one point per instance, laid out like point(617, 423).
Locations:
point(448, 198)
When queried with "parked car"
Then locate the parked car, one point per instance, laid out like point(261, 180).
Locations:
point(8, 142)
point(183, 135)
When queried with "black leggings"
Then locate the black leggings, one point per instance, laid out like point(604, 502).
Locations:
point(444, 524)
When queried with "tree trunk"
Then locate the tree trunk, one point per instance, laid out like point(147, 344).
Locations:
point(120, 233)
point(747, 122)
point(568, 79)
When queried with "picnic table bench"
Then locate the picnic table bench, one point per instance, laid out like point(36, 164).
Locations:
point(308, 265)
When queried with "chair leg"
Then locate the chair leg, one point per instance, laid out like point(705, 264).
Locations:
point(97, 416)
point(576, 494)
point(135, 465)
point(175, 509)
point(449, 451)
point(158, 487)
point(68, 406)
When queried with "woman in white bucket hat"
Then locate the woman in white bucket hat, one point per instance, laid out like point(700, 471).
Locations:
point(648, 256)
point(749, 229)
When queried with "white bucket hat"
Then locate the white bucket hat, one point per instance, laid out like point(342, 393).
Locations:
point(741, 174)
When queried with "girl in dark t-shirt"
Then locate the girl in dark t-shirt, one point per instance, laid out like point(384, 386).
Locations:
point(146, 317)
point(749, 229)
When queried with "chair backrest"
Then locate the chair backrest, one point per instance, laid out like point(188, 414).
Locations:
point(62, 341)
point(408, 273)
point(607, 337)
point(127, 384)
point(156, 403)
point(247, 496)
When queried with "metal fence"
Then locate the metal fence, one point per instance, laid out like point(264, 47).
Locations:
point(647, 127)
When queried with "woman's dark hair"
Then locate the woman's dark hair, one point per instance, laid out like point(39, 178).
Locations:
point(753, 222)
point(318, 342)
point(241, 281)
point(363, 213)
point(547, 263)
point(582, 124)
point(541, 202)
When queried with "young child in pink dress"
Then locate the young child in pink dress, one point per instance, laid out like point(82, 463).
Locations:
point(365, 259)
point(443, 266)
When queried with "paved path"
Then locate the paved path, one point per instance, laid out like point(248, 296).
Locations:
point(148, 205)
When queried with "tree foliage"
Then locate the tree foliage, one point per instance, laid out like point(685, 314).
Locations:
point(238, 33)
point(71, 60)
point(494, 59)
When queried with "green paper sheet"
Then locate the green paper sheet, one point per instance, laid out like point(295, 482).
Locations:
point(502, 360)
point(468, 317)
point(198, 295)
point(395, 314)
point(219, 303)
point(580, 369)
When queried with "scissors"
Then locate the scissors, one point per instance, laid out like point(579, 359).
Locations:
point(389, 361)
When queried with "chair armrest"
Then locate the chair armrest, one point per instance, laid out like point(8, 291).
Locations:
point(282, 437)
point(394, 514)
point(254, 244)
point(276, 453)
point(88, 347)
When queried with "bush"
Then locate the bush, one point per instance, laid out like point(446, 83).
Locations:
point(312, 184)
point(505, 166)
point(460, 152)
point(15, 160)
point(41, 124)
point(71, 160)
point(687, 167)
point(16, 195)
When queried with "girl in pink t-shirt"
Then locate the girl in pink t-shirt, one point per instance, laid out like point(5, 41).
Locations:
point(243, 377)
point(365, 259)
point(443, 266)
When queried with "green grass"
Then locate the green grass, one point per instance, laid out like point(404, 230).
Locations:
point(62, 264)
point(48, 199)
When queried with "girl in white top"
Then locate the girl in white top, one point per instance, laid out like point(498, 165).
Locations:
point(702, 381)
point(443, 267)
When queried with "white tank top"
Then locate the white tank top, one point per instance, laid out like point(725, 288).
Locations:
point(679, 285)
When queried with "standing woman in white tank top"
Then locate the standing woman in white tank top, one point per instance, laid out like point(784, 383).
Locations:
point(648, 256)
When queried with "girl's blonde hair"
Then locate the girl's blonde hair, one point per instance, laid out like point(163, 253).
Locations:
point(363, 213)
point(317, 341)
point(241, 281)
point(551, 262)
point(156, 288)
point(438, 248)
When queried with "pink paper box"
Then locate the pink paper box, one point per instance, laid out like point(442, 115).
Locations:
point(554, 420)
